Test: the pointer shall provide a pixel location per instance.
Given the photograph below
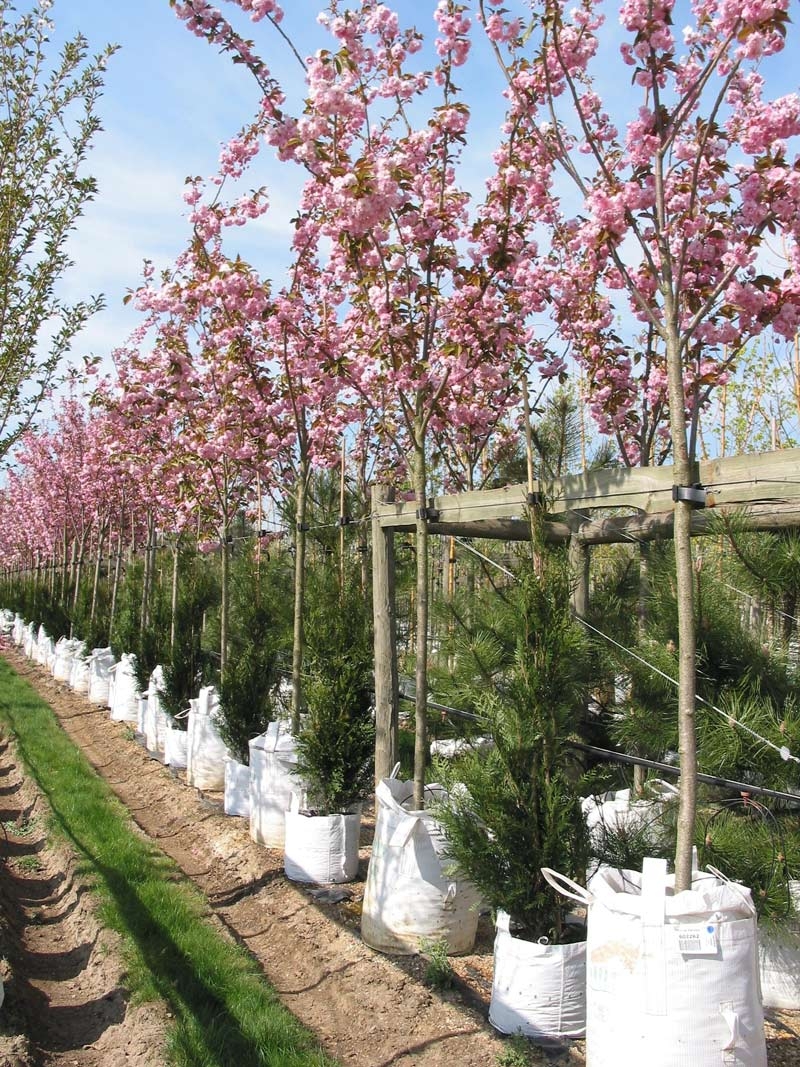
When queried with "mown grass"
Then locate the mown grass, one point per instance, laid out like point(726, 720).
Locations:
point(224, 1011)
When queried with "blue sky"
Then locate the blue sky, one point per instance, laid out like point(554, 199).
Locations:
point(170, 102)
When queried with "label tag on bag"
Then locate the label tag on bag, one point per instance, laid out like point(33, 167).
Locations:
point(701, 939)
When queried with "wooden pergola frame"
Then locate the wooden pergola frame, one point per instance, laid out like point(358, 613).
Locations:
point(763, 491)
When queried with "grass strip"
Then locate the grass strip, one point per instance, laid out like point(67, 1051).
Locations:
point(224, 1010)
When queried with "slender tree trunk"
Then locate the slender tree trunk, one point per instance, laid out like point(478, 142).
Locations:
point(73, 560)
point(684, 575)
point(64, 557)
point(224, 598)
point(526, 410)
point(37, 591)
point(342, 518)
point(97, 565)
point(174, 601)
point(363, 543)
point(639, 773)
point(385, 642)
point(298, 639)
point(420, 477)
point(144, 610)
point(115, 585)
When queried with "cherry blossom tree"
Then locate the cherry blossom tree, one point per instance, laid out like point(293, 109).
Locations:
point(671, 217)
point(429, 316)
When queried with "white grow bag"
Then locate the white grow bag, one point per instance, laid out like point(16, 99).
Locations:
point(779, 961)
point(45, 649)
point(175, 747)
point(538, 989)
point(18, 633)
point(321, 848)
point(205, 749)
point(141, 715)
point(672, 979)
point(237, 788)
point(123, 697)
point(272, 781)
point(29, 640)
point(154, 718)
point(100, 663)
point(411, 893)
point(617, 811)
point(65, 652)
point(79, 673)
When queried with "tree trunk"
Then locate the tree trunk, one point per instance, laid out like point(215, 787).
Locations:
point(147, 577)
point(385, 638)
point(174, 599)
point(224, 597)
point(342, 518)
point(298, 639)
point(639, 773)
point(64, 556)
point(421, 676)
point(97, 565)
point(115, 585)
point(684, 475)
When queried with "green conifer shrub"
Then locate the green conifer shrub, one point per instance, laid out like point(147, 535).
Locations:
point(337, 740)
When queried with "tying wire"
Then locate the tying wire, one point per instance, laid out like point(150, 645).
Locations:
point(782, 751)
point(480, 555)
point(741, 592)
point(641, 541)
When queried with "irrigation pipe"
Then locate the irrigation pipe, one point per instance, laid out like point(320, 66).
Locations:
point(668, 768)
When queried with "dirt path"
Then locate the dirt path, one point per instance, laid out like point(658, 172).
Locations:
point(368, 1010)
point(64, 999)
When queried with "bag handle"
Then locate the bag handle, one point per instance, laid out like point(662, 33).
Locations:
point(734, 885)
point(566, 886)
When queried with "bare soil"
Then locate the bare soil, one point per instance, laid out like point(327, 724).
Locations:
point(65, 998)
point(65, 1001)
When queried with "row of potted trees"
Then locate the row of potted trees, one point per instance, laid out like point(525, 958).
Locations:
point(505, 813)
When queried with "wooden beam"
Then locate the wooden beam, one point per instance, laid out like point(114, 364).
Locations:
point(770, 476)
point(617, 529)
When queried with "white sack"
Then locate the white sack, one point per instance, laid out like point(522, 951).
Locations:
point(237, 788)
point(538, 989)
point(155, 719)
point(412, 894)
point(321, 848)
point(779, 961)
point(66, 650)
point(124, 690)
point(273, 758)
point(100, 663)
point(175, 747)
point(206, 751)
point(672, 979)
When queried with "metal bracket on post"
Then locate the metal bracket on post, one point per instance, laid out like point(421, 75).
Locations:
point(690, 494)
point(428, 514)
point(534, 500)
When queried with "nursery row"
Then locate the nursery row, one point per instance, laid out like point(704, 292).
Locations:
point(414, 895)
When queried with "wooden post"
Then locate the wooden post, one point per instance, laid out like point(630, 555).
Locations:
point(578, 570)
point(383, 608)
